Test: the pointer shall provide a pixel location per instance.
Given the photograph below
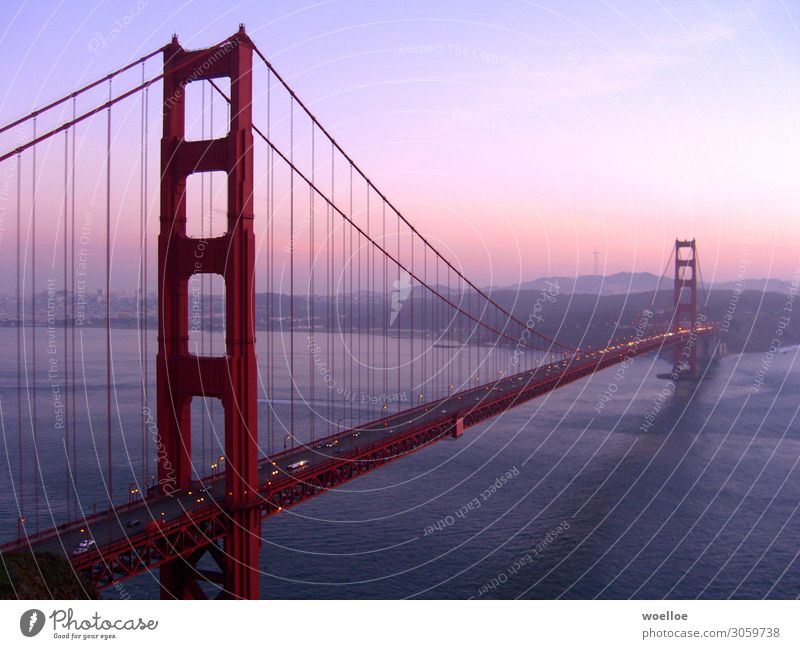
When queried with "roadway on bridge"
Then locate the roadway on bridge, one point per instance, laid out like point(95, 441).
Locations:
point(112, 526)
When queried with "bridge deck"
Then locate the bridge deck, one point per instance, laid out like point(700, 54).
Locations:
point(138, 537)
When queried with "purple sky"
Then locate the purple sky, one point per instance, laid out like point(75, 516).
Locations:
point(519, 136)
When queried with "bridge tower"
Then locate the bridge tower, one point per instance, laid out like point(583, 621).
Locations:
point(182, 376)
point(685, 302)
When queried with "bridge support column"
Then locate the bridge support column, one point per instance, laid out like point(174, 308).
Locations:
point(182, 376)
point(685, 301)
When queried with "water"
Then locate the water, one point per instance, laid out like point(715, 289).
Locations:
point(702, 503)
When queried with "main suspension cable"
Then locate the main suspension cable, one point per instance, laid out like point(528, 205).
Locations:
point(313, 118)
point(295, 171)
point(80, 91)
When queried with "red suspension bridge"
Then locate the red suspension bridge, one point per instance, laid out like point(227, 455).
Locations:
point(374, 344)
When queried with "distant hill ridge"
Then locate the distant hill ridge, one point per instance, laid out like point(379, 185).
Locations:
point(625, 282)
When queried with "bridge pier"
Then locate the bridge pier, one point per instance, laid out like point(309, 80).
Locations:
point(242, 546)
point(711, 348)
point(179, 581)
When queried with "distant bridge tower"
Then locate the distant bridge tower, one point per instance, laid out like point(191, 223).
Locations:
point(182, 376)
point(685, 300)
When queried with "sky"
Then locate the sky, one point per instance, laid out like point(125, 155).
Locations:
point(519, 136)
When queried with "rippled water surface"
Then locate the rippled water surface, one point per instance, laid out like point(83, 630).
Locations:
point(557, 498)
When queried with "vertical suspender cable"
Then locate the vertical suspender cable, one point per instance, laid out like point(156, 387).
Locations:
point(450, 328)
point(291, 270)
point(385, 327)
point(493, 351)
point(411, 325)
point(374, 319)
point(34, 426)
point(145, 345)
point(332, 309)
point(371, 316)
point(470, 366)
point(141, 297)
point(270, 246)
point(72, 328)
point(492, 347)
point(204, 294)
point(359, 327)
point(374, 403)
point(311, 321)
point(423, 327)
point(108, 300)
point(706, 291)
point(364, 366)
point(479, 349)
point(344, 297)
point(350, 318)
point(438, 326)
point(444, 325)
point(66, 349)
point(20, 323)
point(212, 402)
point(461, 340)
point(396, 312)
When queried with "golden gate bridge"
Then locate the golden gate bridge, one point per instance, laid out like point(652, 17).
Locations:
point(383, 311)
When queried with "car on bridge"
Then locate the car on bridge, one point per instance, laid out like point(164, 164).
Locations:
point(297, 466)
point(83, 547)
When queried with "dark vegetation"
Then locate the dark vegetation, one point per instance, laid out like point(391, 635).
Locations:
point(42, 576)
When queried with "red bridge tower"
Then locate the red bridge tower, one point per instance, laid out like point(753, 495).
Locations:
point(685, 300)
point(181, 376)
